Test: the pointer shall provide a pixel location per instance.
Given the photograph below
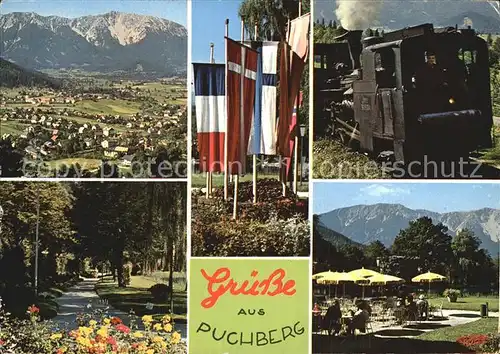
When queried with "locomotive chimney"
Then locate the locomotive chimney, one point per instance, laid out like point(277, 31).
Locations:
point(355, 46)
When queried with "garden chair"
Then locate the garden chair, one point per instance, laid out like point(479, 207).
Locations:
point(437, 310)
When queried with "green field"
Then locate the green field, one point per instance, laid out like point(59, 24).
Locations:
point(85, 164)
point(112, 107)
point(470, 303)
point(199, 180)
point(450, 334)
point(12, 127)
point(136, 296)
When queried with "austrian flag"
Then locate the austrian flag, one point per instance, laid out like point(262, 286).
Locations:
point(241, 68)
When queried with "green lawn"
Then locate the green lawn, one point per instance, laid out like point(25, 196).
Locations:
point(199, 180)
point(441, 340)
point(450, 334)
point(470, 303)
point(492, 156)
point(332, 160)
point(136, 296)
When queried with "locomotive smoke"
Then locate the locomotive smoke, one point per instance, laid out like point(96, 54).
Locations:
point(357, 14)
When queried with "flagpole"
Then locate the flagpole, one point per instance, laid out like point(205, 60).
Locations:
point(242, 112)
point(254, 157)
point(283, 168)
point(209, 174)
point(226, 131)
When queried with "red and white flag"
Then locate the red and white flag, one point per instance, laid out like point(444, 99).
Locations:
point(241, 69)
point(294, 56)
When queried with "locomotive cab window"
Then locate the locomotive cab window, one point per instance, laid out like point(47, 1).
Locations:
point(385, 68)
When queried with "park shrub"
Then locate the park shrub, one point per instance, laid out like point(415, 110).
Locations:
point(473, 341)
point(277, 237)
point(491, 345)
point(160, 292)
point(97, 334)
point(452, 294)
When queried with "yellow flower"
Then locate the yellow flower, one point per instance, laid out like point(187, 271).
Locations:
point(62, 350)
point(92, 323)
point(107, 321)
point(157, 339)
point(166, 319)
point(176, 338)
point(167, 328)
point(147, 319)
point(56, 336)
point(103, 331)
point(85, 331)
point(150, 351)
point(157, 327)
point(138, 335)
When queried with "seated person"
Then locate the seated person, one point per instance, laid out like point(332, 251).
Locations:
point(333, 317)
point(359, 320)
point(423, 307)
point(411, 309)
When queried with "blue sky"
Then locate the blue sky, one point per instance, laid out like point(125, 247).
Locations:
point(437, 197)
point(174, 10)
point(208, 18)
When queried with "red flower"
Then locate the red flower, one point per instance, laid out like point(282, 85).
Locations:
point(122, 328)
point(2, 342)
point(473, 340)
point(116, 321)
point(33, 309)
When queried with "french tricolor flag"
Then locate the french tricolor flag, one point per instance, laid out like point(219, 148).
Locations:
point(210, 101)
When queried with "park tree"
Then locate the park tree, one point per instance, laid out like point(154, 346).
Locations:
point(11, 161)
point(271, 16)
point(56, 235)
point(427, 242)
point(376, 250)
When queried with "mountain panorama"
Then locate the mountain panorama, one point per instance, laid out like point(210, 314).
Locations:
point(109, 42)
point(366, 223)
point(392, 15)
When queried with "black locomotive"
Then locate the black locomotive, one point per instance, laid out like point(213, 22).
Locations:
point(419, 91)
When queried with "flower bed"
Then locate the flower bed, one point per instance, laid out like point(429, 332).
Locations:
point(482, 343)
point(274, 226)
point(96, 334)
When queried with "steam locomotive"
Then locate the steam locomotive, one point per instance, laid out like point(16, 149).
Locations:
point(419, 91)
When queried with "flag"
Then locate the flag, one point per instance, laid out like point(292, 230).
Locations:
point(241, 68)
point(263, 129)
point(294, 56)
point(210, 101)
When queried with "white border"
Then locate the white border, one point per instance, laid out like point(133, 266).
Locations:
point(189, 162)
point(85, 180)
point(310, 179)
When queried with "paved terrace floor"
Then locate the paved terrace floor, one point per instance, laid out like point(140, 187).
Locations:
point(412, 329)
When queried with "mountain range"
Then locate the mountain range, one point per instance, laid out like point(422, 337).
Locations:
point(110, 42)
point(366, 223)
point(485, 15)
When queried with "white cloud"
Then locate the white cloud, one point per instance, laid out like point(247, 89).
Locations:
point(381, 190)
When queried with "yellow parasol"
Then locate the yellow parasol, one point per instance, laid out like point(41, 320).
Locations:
point(428, 278)
point(384, 279)
point(322, 274)
point(337, 278)
point(362, 275)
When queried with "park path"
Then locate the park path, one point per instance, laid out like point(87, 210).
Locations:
point(78, 297)
point(496, 120)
